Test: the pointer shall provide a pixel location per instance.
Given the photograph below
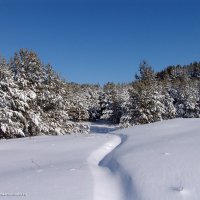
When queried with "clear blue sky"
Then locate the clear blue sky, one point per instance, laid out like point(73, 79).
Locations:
point(103, 40)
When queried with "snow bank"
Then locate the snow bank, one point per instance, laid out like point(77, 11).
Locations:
point(162, 160)
point(48, 167)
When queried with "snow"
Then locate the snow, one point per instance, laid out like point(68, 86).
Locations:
point(3, 127)
point(162, 160)
point(32, 95)
point(103, 127)
point(104, 181)
point(146, 162)
point(36, 119)
point(48, 167)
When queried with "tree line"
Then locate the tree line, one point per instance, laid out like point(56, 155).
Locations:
point(35, 100)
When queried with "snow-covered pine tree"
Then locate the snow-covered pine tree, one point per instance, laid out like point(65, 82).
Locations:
point(46, 94)
point(113, 99)
point(12, 105)
point(186, 98)
point(146, 99)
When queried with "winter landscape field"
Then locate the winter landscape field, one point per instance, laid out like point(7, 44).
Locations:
point(147, 162)
point(99, 100)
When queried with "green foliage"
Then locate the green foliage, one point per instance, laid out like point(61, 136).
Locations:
point(35, 100)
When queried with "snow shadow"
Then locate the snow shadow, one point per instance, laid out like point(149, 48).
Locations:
point(102, 127)
point(117, 170)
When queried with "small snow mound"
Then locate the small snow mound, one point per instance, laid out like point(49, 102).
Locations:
point(181, 190)
point(72, 169)
point(165, 153)
point(184, 192)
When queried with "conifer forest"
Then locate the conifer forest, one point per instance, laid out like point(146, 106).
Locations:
point(35, 100)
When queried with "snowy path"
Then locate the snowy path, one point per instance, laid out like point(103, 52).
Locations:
point(157, 161)
point(48, 167)
point(111, 181)
point(150, 162)
point(122, 177)
point(104, 181)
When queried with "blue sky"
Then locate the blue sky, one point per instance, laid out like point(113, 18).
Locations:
point(100, 41)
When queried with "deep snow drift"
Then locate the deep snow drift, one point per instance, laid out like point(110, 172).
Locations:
point(162, 160)
point(157, 161)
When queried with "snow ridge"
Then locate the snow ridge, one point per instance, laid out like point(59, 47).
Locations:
point(111, 181)
point(125, 180)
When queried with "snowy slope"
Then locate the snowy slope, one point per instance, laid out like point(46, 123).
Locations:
point(48, 167)
point(162, 160)
point(157, 161)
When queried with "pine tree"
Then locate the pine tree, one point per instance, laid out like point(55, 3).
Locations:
point(12, 105)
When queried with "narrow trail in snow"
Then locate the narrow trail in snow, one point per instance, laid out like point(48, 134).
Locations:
point(111, 181)
point(121, 175)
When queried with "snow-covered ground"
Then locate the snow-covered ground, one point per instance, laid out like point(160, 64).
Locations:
point(162, 160)
point(158, 161)
point(48, 167)
point(103, 127)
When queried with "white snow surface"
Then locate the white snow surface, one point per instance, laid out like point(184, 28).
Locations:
point(48, 167)
point(158, 161)
point(161, 160)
